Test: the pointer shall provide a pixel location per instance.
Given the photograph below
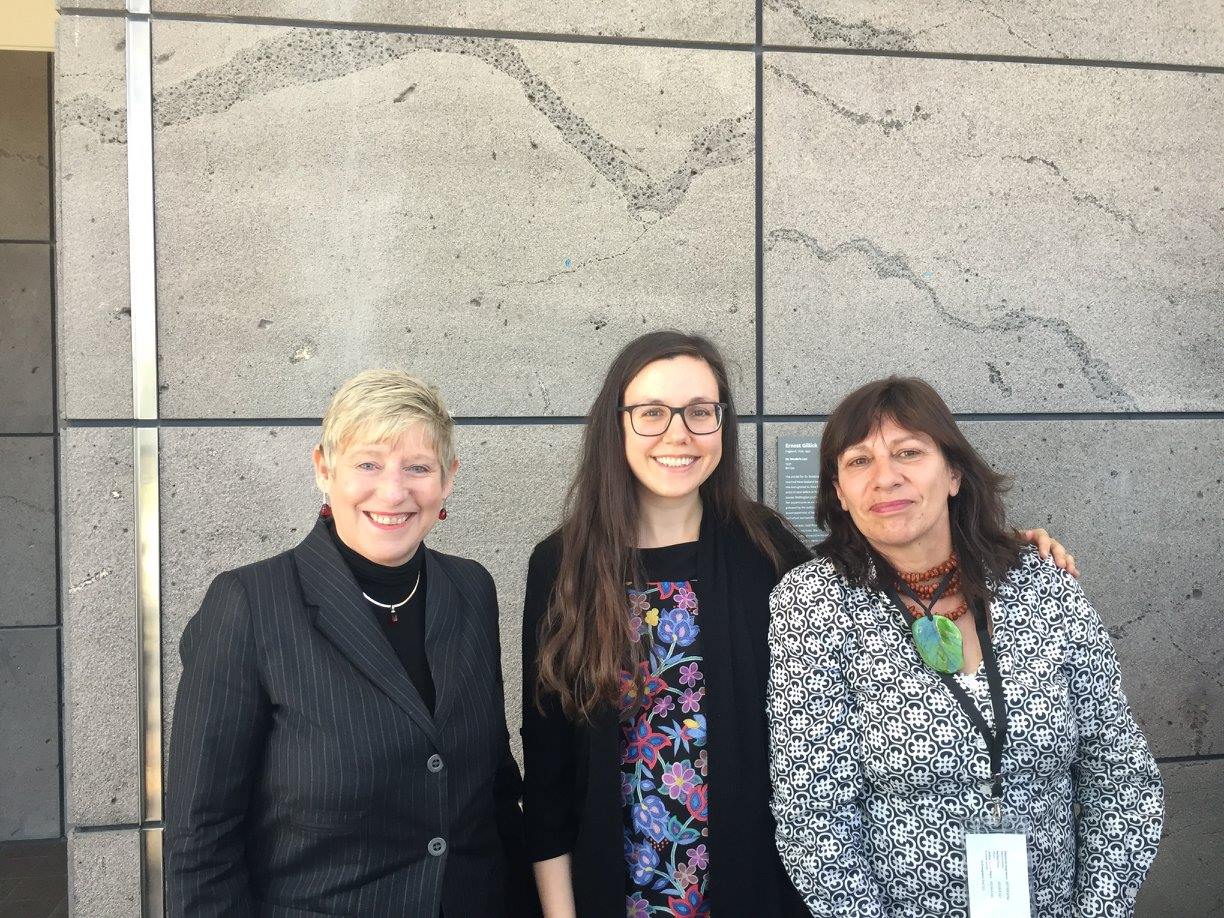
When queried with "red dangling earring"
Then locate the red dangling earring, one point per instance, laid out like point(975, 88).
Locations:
point(442, 514)
point(325, 511)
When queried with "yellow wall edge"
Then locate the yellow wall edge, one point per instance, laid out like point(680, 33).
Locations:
point(28, 25)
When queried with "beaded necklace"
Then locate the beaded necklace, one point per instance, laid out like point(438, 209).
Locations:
point(925, 583)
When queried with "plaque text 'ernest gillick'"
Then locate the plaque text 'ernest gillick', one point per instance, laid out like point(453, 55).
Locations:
point(798, 478)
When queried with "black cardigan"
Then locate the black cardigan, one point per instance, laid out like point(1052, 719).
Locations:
point(571, 795)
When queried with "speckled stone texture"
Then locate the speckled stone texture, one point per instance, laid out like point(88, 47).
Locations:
point(25, 340)
point(104, 874)
point(476, 210)
point(27, 549)
point(101, 727)
point(711, 20)
point(29, 713)
point(1139, 505)
point(1164, 31)
point(1185, 880)
point(95, 329)
point(24, 177)
point(1048, 249)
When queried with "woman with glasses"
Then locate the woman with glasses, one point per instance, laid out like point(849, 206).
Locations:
point(645, 657)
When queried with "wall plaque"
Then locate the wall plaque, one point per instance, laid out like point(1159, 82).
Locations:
point(798, 478)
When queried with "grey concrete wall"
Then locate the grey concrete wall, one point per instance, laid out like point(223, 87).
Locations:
point(1021, 207)
point(30, 795)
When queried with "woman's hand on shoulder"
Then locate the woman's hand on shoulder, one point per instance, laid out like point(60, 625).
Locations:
point(1048, 546)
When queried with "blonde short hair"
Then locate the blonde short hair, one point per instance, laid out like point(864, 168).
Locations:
point(377, 406)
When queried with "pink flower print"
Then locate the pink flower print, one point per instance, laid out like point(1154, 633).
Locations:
point(638, 602)
point(689, 674)
point(635, 628)
point(663, 704)
point(702, 763)
point(679, 780)
point(684, 875)
point(699, 857)
point(690, 700)
point(686, 599)
point(636, 906)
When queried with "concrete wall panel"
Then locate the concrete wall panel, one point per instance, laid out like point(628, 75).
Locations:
point(1139, 505)
point(24, 187)
point(29, 723)
point(590, 192)
point(95, 329)
point(27, 549)
point(101, 719)
point(1044, 250)
point(714, 20)
point(104, 874)
point(1166, 31)
point(1185, 880)
point(26, 377)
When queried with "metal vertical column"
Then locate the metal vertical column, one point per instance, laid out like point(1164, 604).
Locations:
point(143, 292)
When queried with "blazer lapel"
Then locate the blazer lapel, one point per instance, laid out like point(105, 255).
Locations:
point(343, 617)
point(445, 606)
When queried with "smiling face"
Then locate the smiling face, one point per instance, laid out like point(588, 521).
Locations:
point(385, 497)
point(895, 485)
point(671, 466)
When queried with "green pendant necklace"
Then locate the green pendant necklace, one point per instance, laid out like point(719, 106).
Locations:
point(937, 640)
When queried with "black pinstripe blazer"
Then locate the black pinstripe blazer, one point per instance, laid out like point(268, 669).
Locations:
point(306, 775)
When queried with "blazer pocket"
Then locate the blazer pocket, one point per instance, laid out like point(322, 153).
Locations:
point(329, 822)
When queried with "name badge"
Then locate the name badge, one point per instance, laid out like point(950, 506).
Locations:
point(996, 866)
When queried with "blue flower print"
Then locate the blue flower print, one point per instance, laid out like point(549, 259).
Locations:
point(642, 860)
point(650, 817)
point(677, 626)
point(664, 760)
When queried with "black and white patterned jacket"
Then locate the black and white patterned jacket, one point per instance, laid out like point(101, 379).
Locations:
point(876, 769)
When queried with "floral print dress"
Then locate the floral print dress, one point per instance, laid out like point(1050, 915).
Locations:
point(664, 762)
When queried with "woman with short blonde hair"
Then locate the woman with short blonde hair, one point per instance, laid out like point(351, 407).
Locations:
point(339, 741)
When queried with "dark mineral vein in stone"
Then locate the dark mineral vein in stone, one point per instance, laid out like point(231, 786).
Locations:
point(1081, 197)
point(830, 32)
point(891, 266)
point(94, 115)
point(887, 124)
point(303, 56)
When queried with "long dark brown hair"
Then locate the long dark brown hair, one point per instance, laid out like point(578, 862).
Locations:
point(585, 639)
point(984, 544)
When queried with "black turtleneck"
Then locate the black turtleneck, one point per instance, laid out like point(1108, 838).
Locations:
point(390, 585)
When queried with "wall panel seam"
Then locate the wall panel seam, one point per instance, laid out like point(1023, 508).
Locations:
point(676, 43)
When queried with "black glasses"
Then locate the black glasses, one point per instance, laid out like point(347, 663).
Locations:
point(652, 420)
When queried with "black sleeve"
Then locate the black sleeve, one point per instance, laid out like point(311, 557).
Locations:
point(221, 720)
point(548, 736)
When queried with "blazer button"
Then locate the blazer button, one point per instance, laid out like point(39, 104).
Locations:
point(434, 763)
point(437, 846)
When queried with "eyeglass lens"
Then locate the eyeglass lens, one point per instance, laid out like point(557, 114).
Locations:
point(699, 418)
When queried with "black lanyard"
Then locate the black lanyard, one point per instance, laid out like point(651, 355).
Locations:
point(995, 739)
